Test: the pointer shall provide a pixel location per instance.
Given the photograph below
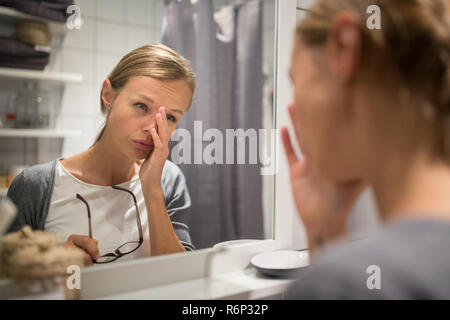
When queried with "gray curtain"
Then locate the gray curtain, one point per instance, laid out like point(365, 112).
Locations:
point(225, 49)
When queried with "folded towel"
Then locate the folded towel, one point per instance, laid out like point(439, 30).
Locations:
point(13, 47)
point(54, 10)
point(34, 63)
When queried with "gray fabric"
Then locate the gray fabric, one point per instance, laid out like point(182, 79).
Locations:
point(38, 63)
point(413, 258)
point(226, 199)
point(53, 10)
point(32, 189)
point(16, 48)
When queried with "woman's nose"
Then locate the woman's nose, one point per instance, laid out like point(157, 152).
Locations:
point(150, 123)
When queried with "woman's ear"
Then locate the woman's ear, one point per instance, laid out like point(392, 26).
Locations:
point(345, 46)
point(107, 94)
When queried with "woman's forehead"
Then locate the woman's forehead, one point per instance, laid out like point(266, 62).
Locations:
point(174, 93)
point(148, 84)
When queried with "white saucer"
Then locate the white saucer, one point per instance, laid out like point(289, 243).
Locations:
point(282, 263)
point(234, 242)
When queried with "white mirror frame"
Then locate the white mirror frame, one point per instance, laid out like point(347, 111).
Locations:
point(101, 281)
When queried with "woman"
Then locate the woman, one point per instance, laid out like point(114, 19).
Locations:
point(144, 214)
point(372, 108)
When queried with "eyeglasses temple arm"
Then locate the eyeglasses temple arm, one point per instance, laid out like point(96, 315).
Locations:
point(138, 214)
point(89, 213)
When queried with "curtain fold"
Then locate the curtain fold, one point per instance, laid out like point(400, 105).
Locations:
point(225, 49)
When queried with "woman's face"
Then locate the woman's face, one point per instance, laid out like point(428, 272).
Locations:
point(134, 108)
point(323, 116)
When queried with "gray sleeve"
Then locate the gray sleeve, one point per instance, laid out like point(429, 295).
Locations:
point(178, 202)
point(23, 216)
point(30, 192)
point(24, 194)
point(323, 284)
point(337, 273)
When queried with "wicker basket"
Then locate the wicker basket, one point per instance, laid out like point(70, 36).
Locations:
point(33, 258)
point(33, 32)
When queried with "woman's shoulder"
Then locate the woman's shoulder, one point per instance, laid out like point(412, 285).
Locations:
point(342, 270)
point(31, 179)
point(38, 172)
point(172, 173)
point(173, 182)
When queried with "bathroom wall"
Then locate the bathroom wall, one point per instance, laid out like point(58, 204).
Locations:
point(111, 28)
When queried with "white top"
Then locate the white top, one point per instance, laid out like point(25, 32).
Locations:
point(113, 214)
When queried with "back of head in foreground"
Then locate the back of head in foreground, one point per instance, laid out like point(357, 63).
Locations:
point(372, 108)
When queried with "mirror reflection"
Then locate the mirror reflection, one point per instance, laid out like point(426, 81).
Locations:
point(140, 128)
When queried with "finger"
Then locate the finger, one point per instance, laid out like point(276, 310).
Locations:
point(162, 126)
point(289, 150)
point(156, 139)
point(292, 115)
point(162, 110)
point(164, 134)
point(88, 244)
point(291, 112)
point(88, 261)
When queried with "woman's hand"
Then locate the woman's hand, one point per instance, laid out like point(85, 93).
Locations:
point(89, 245)
point(151, 170)
point(323, 205)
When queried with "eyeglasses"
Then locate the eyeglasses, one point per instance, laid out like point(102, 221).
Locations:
point(127, 247)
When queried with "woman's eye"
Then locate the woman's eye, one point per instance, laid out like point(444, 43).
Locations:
point(171, 118)
point(141, 106)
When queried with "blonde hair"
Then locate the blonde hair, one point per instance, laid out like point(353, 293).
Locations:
point(154, 60)
point(413, 43)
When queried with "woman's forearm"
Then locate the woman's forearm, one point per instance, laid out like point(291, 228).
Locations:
point(163, 239)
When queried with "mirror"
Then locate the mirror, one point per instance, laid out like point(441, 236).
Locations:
point(223, 145)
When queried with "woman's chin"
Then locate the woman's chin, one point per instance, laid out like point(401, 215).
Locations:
point(143, 154)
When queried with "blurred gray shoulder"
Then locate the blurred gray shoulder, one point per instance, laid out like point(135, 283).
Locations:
point(173, 181)
point(34, 177)
point(406, 257)
point(40, 171)
point(171, 173)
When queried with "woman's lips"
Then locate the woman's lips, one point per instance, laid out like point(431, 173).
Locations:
point(143, 145)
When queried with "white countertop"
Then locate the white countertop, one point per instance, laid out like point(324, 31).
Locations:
point(243, 284)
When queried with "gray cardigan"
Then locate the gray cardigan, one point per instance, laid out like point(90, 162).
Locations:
point(32, 190)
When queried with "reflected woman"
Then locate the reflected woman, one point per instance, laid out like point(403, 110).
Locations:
point(372, 108)
point(121, 198)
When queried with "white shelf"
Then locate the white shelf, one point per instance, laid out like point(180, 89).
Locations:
point(10, 14)
point(40, 75)
point(39, 133)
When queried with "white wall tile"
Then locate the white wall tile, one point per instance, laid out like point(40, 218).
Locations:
point(79, 99)
point(78, 61)
point(11, 145)
point(113, 10)
point(9, 159)
point(55, 61)
point(110, 37)
point(158, 7)
point(140, 12)
point(104, 65)
point(111, 28)
point(82, 38)
point(87, 126)
point(72, 146)
point(138, 36)
point(87, 8)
